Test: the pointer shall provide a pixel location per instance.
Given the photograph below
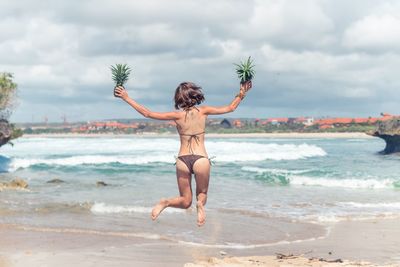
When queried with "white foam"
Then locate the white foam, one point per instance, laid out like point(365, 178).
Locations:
point(153, 236)
point(386, 205)
point(88, 231)
point(245, 151)
point(17, 163)
point(295, 179)
point(357, 140)
point(331, 218)
point(102, 208)
point(272, 170)
point(78, 151)
point(251, 246)
point(345, 183)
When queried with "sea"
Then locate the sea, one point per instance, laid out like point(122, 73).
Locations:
point(263, 191)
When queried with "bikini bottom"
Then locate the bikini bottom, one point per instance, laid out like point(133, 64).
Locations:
point(189, 160)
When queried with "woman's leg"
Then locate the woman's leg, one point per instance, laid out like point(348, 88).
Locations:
point(201, 170)
point(184, 201)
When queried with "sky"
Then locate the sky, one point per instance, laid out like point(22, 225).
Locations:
point(313, 58)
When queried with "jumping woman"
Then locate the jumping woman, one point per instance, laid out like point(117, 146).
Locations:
point(192, 158)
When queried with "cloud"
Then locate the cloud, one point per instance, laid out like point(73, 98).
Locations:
point(378, 33)
point(312, 57)
point(291, 24)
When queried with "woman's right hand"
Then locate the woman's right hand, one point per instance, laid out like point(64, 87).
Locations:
point(120, 92)
point(246, 86)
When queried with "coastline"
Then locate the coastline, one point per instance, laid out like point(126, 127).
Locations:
point(212, 135)
point(354, 242)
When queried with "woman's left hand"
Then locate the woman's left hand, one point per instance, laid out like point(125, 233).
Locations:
point(120, 92)
point(246, 86)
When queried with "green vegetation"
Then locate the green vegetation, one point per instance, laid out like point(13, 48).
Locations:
point(245, 70)
point(8, 91)
point(120, 74)
point(349, 128)
point(221, 130)
point(248, 127)
point(16, 132)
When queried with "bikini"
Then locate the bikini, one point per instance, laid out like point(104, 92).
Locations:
point(190, 159)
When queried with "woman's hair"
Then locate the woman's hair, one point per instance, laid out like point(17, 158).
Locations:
point(187, 95)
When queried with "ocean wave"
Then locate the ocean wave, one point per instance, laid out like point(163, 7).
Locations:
point(231, 152)
point(103, 208)
point(95, 208)
point(64, 207)
point(335, 218)
point(344, 183)
point(224, 151)
point(143, 235)
point(272, 170)
point(4, 164)
point(152, 236)
point(358, 140)
point(17, 163)
point(294, 177)
point(384, 205)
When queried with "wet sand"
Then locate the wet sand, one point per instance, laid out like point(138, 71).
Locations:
point(3, 262)
point(273, 261)
point(375, 241)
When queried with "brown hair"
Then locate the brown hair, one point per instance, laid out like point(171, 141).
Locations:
point(187, 95)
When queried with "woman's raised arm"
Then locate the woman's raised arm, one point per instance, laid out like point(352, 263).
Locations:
point(233, 105)
point(123, 94)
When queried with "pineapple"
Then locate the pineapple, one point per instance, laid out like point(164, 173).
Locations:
point(245, 70)
point(120, 74)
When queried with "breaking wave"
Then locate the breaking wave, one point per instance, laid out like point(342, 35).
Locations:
point(224, 152)
point(300, 178)
point(103, 208)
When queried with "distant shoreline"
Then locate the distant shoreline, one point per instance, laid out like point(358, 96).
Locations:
point(212, 135)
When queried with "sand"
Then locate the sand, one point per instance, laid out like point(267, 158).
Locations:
point(355, 242)
point(274, 261)
point(3, 262)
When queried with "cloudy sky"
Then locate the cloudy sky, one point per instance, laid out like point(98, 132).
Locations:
point(315, 58)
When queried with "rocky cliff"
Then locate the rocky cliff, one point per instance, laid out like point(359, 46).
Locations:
point(390, 132)
point(5, 132)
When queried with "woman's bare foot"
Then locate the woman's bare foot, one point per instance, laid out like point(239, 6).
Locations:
point(158, 208)
point(201, 214)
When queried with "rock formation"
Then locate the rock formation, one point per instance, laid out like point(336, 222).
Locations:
point(390, 132)
point(55, 181)
point(5, 132)
point(15, 184)
point(101, 183)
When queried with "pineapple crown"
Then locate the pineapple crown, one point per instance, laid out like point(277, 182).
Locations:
point(120, 74)
point(245, 70)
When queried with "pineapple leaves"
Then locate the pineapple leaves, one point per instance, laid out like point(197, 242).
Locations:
point(120, 74)
point(245, 70)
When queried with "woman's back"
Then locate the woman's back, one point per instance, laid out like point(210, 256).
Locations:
point(191, 128)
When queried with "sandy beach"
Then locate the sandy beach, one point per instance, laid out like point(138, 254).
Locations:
point(355, 243)
point(213, 135)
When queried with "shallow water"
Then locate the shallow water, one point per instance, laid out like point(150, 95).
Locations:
point(268, 190)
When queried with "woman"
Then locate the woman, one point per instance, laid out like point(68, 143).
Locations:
point(190, 122)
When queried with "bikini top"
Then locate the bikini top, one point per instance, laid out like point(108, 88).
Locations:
point(194, 137)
